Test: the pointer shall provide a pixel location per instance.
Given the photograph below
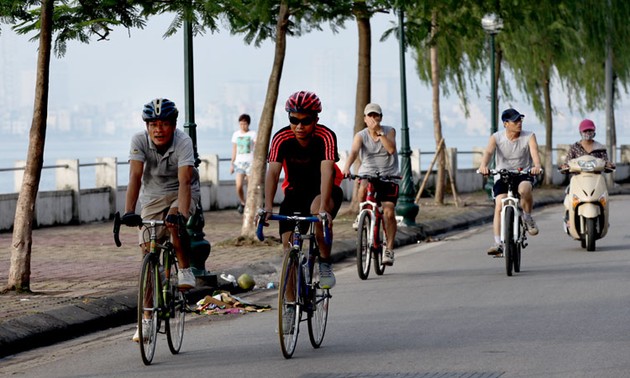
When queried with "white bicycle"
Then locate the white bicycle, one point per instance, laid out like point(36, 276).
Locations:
point(513, 230)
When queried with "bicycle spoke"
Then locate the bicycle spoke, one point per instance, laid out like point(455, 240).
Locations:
point(318, 314)
point(364, 245)
point(288, 308)
point(148, 309)
point(177, 312)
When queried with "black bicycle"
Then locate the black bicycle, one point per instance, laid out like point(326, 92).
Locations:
point(299, 292)
point(159, 298)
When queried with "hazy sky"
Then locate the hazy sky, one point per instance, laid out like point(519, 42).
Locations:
point(138, 65)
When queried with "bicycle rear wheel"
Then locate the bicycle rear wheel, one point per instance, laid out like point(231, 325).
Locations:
point(509, 242)
point(379, 268)
point(148, 308)
point(518, 247)
point(288, 307)
point(177, 316)
point(318, 311)
point(364, 245)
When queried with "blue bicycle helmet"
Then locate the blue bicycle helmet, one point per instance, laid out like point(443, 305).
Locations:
point(160, 109)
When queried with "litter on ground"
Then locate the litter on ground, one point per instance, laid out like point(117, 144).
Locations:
point(223, 302)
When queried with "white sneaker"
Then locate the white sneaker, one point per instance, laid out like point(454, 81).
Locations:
point(531, 226)
point(146, 330)
point(185, 279)
point(388, 257)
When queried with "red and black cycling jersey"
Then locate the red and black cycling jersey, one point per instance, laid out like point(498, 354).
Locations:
point(302, 164)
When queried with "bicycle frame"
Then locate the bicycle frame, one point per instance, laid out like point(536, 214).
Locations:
point(157, 297)
point(306, 261)
point(511, 201)
point(169, 261)
point(296, 278)
point(374, 208)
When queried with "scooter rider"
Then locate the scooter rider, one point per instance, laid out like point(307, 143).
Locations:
point(587, 146)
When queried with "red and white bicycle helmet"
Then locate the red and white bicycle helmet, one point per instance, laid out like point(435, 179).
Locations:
point(303, 102)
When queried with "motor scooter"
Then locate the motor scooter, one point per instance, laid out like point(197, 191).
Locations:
point(586, 202)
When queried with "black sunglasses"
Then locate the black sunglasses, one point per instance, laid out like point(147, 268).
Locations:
point(304, 121)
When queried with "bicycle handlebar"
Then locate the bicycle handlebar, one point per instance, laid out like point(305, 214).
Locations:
point(117, 223)
point(373, 177)
point(262, 218)
point(117, 229)
point(514, 172)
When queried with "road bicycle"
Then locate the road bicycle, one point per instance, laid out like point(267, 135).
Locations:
point(371, 237)
point(159, 298)
point(299, 295)
point(513, 235)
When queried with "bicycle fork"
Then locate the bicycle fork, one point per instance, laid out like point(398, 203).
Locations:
point(511, 202)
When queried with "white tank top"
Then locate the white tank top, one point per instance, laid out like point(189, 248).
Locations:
point(513, 154)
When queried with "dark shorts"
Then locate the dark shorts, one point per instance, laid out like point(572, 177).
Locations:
point(297, 202)
point(501, 188)
point(386, 191)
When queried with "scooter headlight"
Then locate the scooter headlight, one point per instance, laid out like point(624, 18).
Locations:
point(575, 201)
point(587, 166)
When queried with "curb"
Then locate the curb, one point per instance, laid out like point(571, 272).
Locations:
point(64, 323)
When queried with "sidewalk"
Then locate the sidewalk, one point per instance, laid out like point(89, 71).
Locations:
point(82, 283)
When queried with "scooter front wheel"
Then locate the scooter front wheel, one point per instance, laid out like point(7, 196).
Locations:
point(589, 235)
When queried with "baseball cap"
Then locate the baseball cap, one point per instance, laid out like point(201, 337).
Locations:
point(511, 115)
point(372, 108)
point(587, 124)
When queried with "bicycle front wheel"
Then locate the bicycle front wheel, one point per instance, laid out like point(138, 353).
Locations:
point(175, 322)
point(288, 306)
point(364, 245)
point(379, 267)
point(509, 242)
point(148, 308)
point(318, 312)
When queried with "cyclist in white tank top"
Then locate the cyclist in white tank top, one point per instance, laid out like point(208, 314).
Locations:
point(515, 149)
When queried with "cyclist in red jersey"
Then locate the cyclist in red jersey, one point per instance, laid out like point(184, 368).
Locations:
point(307, 151)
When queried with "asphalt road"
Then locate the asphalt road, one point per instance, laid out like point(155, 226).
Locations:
point(445, 309)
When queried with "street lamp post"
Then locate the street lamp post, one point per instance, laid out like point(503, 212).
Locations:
point(189, 87)
point(200, 247)
point(492, 24)
point(406, 206)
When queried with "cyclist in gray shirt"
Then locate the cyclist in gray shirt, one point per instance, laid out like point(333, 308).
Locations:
point(515, 149)
point(376, 147)
point(163, 176)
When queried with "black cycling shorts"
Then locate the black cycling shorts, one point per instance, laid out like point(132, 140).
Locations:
point(501, 187)
point(296, 202)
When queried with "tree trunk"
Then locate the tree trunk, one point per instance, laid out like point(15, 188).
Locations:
point(364, 82)
point(548, 176)
point(20, 270)
point(437, 123)
point(256, 185)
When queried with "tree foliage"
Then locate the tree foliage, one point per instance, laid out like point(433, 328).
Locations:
point(61, 21)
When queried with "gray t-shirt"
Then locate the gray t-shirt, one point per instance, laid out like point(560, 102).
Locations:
point(374, 157)
point(160, 171)
point(513, 154)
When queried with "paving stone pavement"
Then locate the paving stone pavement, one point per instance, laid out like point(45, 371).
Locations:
point(81, 282)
